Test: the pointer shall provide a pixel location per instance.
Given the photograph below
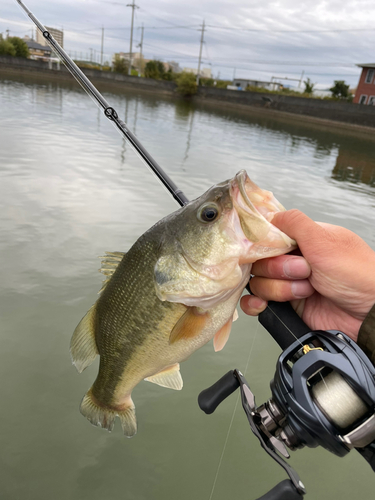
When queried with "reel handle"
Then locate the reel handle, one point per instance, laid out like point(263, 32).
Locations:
point(282, 491)
point(209, 399)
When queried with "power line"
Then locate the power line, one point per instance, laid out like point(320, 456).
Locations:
point(237, 28)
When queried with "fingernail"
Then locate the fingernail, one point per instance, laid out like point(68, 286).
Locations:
point(301, 289)
point(258, 303)
point(296, 267)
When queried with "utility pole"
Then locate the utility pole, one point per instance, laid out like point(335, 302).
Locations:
point(200, 53)
point(303, 72)
point(133, 6)
point(101, 51)
point(7, 31)
point(141, 55)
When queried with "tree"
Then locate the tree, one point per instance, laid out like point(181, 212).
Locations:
point(309, 86)
point(13, 46)
point(340, 90)
point(186, 84)
point(6, 48)
point(169, 75)
point(120, 65)
point(22, 50)
point(154, 69)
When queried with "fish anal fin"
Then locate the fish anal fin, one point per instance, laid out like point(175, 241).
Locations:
point(104, 417)
point(222, 336)
point(83, 349)
point(189, 326)
point(170, 378)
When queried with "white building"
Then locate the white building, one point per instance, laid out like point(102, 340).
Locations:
point(204, 72)
point(58, 35)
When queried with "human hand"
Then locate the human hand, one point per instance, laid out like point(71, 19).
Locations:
point(331, 286)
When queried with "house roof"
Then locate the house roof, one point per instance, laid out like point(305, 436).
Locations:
point(369, 65)
point(34, 45)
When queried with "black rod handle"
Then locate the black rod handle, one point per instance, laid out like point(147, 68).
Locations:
point(283, 323)
point(210, 398)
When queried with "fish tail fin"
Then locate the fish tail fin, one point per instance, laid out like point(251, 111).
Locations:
point(105, 417)
point(83, 348)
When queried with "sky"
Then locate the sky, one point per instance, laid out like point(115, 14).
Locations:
point(320, 40)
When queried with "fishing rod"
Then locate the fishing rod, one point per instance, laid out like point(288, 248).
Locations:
point(323, 391)
point(109, 111)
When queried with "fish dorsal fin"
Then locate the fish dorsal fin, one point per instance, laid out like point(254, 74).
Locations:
point(83, 349)
point(222, 336)
point(110, 262)
point(189, 326)
point(170, 377)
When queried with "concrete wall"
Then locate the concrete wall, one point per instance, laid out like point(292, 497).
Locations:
point(319, 108)
point(343, 112)
point(20, 65)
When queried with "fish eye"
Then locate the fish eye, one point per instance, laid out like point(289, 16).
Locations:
point(208, 213)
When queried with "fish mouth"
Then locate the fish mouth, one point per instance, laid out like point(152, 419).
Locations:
point(255, 208)
point(250, 198)
point(239, 193)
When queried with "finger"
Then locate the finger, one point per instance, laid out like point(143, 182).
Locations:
point(252, 305)
point(282, 267)
point(300, 227)
point(280, 290)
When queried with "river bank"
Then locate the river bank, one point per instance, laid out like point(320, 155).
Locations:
point(347, 116)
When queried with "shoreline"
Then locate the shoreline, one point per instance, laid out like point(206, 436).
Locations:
point(296, 109)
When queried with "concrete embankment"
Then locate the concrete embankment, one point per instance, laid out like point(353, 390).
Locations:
point(343, 113)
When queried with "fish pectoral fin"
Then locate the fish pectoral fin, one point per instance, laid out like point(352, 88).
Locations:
point(170, 378)
point(235, 315)
point(83, 349)
point(110, 262)
point(222, 336)
point(189, 326)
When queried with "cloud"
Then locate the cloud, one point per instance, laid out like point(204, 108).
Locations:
point(260, 39)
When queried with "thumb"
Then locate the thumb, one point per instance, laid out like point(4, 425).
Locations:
point(309, 235)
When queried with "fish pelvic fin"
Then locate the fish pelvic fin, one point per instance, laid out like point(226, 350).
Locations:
point(110, 262)
point(222, 336)
point(104, 417)
point(189, 326)
point(83, 349)
point(170, 378)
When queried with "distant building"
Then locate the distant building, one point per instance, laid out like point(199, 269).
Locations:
point(365, 93)
point(242, 83)
point(204, 72)
point(138, 61)
point(174, 66)
point(38, 51)
point(58, 35)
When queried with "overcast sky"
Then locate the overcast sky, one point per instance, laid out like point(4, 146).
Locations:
point(248, 38)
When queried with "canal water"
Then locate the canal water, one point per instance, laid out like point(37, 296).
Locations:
point(71, 189)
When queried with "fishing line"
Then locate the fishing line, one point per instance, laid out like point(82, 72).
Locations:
point(282, 322)
point(233, 414)
point(289, 330)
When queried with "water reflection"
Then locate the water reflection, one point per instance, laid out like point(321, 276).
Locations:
point(71, 189)
point(355, 167)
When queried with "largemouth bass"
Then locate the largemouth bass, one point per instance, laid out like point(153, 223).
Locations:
point(173, 291)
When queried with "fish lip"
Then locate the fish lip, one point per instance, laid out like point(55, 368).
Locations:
point(238, 191)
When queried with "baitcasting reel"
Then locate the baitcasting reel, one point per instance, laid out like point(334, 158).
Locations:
point(323, 394)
